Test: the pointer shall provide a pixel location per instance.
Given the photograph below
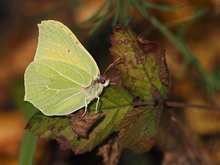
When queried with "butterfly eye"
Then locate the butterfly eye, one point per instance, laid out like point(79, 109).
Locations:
point(101, 80)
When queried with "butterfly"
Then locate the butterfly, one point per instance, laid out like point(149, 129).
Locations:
point(63, 77)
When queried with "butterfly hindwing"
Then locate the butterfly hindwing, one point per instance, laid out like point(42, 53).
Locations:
point(54, 87)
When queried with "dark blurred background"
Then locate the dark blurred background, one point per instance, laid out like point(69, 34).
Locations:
point(197, 23)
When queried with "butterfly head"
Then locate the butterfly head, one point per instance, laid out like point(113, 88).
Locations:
point(102, 80)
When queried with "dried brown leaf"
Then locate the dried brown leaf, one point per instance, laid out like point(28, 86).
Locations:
point(110, 152)
point(81, 124)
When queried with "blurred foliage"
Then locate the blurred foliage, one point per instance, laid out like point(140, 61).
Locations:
point(123, 13)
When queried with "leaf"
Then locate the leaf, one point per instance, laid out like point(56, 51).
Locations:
point(138, 129)
point(47, 127)
point(115, 104)
point(145, 74)
point(110, 151)
point(144, 68)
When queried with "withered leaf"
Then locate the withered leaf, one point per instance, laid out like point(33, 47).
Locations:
point(138, 129)
point(110, 151)
point(81, 124)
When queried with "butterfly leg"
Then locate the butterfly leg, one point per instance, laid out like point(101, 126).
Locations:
point(86, 106)
point(97, 103)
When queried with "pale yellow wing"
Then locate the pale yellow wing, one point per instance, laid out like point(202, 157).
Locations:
point(56, 88)
point(57, 42)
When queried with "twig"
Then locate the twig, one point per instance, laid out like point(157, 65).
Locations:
point(186, 105)
point(173, 104)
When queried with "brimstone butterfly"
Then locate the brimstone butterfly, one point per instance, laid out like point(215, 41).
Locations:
point(63, 76)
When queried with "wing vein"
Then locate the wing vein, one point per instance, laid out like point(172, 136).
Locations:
point(63, 100)
point(62, 75)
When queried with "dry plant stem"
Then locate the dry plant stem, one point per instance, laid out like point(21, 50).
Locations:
point(186, 105)
point(197, 154)
point(173, 104)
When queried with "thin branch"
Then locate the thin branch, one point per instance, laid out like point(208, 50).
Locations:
point(186, 105)
point(173, 104)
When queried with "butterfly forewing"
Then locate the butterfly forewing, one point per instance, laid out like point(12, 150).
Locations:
point(57, 42)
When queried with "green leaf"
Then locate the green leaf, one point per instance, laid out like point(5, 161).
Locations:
point(138, 129)
point(143, 69)
point(115, 104)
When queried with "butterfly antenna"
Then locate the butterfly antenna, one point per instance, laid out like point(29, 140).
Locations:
point(114, 82)
point(112, 65)
point(113, 79)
